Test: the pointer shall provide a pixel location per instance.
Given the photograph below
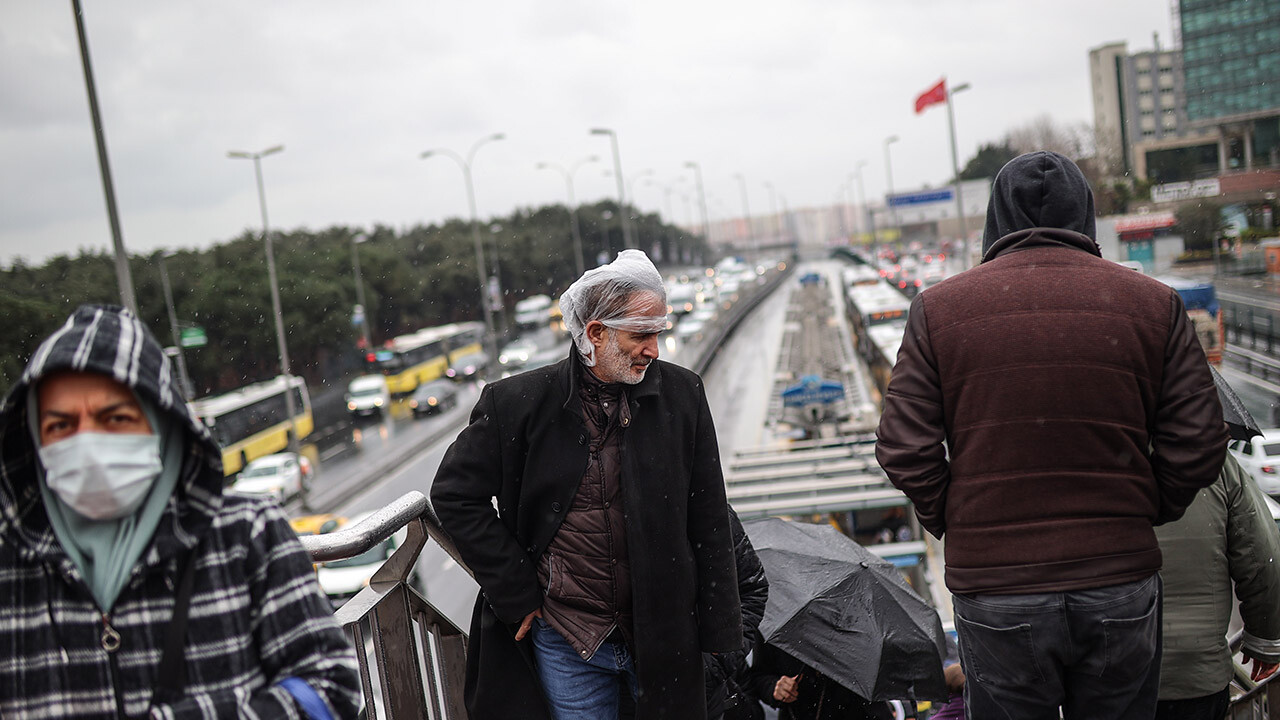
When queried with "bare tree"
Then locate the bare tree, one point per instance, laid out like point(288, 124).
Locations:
point(1075, 140)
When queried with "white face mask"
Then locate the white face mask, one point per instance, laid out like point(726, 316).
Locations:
point(102, 476)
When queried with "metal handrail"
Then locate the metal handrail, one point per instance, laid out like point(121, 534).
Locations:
point(412, 658)
point(380, 525)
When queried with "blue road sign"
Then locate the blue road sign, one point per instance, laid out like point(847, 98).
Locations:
point(921, 198)
point(812, 390)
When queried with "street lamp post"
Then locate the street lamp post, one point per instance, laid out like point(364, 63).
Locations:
point(573, 204)
point(631, 193)
point(256, 157)
point(702, 200)
point(955, 170)
point(364, 309)
point(627, 239)
point(124, 278)
point(465, 164)
point(746, 210)
point(773, 208)
point(862, 202)
point(184, 379)
point(888, 170)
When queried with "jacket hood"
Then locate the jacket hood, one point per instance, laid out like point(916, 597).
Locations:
point(108, 340)
point(1039, 190)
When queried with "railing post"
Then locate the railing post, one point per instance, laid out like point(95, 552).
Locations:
point(412, 658)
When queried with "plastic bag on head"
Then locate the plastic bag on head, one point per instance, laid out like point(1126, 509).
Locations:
point(604, 294)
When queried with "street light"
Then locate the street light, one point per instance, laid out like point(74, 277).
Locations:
point(356, 240)
point(773, 207)
point(622, 198)
point(702, 200)
point(955, 170)
point(640, 178)
point(184, 379)
point(746, 209)
point(124, 278)
point(862, 201)
point(256, 157)
point(465, 164)
point(888, 170)
point(573, 204)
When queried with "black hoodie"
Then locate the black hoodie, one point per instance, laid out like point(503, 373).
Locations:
point(1038, 190)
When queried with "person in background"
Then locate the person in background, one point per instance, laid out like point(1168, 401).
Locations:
point(730, 694)
point(802, 693)
point(953, 709)
point(132, 586)
point(1227, 540)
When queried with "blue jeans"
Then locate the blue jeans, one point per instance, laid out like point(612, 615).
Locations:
point(578, 689)
point(1095, 653)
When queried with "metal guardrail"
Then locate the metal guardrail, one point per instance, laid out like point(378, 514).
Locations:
point(735, 317)
point(412, 657)
point(1256, 701)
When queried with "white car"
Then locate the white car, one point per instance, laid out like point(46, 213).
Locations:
point(343, 579)
point(368, 395)
point(689, 328)
point(517, 353)
point(284, 475)
point(1261, 458)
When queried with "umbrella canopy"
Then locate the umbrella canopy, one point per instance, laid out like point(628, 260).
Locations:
point(1240, 423)
point(847, 613)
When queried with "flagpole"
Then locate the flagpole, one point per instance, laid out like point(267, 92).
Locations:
point(955, 171)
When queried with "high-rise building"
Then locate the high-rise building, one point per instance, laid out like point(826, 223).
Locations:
point(1231, 57)
point(1138, 104)
point(1208, 109)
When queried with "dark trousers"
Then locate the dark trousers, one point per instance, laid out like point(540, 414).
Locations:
point(1208, 707)
point(1093, 653)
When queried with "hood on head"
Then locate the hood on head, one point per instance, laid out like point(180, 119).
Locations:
point(1039, 190)
point(108, 340)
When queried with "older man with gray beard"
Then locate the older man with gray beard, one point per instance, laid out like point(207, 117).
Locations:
point(608, 561)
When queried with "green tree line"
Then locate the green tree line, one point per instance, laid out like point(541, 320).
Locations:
point(413, 278)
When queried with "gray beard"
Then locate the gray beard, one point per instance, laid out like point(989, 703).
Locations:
point(615, 366)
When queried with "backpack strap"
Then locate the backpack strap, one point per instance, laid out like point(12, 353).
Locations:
point(171, 678)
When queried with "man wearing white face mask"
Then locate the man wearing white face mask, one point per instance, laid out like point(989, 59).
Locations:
point(139, 588)
point(608, 566)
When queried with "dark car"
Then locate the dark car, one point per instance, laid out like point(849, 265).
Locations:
point(432, 397)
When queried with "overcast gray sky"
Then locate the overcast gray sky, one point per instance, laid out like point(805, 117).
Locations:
point(793, 93)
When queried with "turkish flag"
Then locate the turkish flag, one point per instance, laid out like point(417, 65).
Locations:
point(932, 96)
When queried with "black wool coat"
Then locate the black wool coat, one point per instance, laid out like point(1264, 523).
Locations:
point(526, 446)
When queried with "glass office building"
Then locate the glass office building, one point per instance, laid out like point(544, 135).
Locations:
point(1231, 57)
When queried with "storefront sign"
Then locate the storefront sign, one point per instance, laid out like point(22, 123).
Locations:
point(1171, 192)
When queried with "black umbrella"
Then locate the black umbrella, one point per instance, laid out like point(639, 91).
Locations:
point(847, 613)
point(1240, 423)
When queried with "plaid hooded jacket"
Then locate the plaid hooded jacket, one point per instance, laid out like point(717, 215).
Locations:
point(256, 617)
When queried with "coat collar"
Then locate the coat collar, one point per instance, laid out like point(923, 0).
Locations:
point(567, 373)
point(1041, 237)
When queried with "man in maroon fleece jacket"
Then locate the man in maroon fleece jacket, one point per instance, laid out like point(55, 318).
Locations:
point(1077, 412)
